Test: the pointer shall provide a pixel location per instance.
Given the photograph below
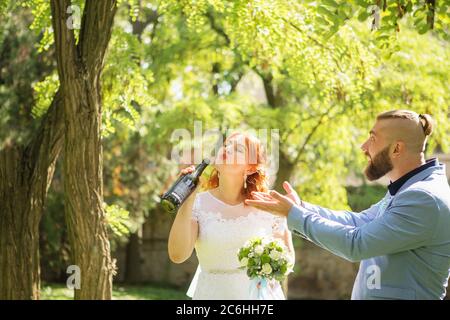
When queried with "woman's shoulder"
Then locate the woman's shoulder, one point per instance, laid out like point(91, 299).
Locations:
point(201, 195)
point(201, 198)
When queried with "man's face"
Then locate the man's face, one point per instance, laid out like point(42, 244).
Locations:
point(377, 150)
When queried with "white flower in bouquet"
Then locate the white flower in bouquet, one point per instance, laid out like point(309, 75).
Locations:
point(275, 255)
point(266, 268)
point(244, 262)
point(259, 250)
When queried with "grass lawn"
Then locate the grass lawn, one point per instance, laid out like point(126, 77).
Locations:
point(125, 292)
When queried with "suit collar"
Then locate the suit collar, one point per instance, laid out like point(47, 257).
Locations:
point(395, 186)
point(438, 169)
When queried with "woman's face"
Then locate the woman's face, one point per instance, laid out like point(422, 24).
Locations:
point(233, 156)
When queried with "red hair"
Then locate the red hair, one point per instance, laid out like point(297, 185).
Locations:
point(257, 181)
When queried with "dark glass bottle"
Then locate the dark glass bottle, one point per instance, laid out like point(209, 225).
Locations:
point(182, 188)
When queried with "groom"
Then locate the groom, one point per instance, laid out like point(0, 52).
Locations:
point(403, 241)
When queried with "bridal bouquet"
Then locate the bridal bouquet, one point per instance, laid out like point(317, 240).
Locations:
point(264, 259)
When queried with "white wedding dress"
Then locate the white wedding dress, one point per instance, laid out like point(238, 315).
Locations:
point(223, 230)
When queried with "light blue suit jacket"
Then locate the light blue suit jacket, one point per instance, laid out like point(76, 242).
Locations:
point(403, 241)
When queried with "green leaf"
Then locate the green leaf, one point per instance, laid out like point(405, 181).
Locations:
point(117, 219)
point(44, 92)
point(362, 3)
point(330, 3)
point(409, 6)
point(423, 28)
point(265, 259)
point(325, 11)
point(323, 21)
point(363, 15)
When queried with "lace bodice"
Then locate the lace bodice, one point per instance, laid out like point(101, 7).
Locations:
point(223, 229)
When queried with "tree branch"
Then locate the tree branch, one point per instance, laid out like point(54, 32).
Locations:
point(43, 151)
point(273, 95)
point(151, 17)
point(216, 28)
point(311, 133)
point(64, 38)
point(431, 6)
point(95, 33)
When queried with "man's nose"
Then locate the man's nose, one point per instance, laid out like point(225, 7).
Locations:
point(364, 146)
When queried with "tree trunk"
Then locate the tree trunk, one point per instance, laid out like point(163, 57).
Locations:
point(285, 170)
point(79, 68)
point(25, 176)
point(19, 257)
point(83, 188)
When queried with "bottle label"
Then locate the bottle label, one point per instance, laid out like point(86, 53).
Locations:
point(182, 190)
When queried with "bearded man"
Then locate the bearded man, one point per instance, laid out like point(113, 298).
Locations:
point(403, 241)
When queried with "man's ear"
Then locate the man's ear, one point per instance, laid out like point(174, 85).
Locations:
point(398, 149)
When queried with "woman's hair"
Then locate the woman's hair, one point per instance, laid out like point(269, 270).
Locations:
point(256, 181)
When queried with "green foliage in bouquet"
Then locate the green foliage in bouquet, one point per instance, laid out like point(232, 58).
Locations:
point(264, 258)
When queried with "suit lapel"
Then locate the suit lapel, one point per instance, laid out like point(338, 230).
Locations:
point(440, 169)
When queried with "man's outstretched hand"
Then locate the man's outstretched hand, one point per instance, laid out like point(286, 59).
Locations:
point(291, 193)
point(274, 202)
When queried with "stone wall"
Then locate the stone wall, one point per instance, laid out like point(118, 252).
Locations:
point(155, 264)
point(320, 275)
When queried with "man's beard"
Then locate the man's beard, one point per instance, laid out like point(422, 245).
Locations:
point(379, 165)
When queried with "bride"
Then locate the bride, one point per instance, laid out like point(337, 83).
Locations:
point(217, 223)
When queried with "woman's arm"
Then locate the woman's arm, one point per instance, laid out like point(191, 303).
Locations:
point(286, 237)
point(288, 241)
point(184, 231)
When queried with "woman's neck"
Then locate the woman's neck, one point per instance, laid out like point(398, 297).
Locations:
point(230, 189)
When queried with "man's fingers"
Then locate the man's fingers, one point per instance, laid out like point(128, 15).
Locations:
point(278, 196)
point(258, 196)
point(291, 193)
point(262, 195)
point(272, 207)
point(287, 186)
point(261, 203)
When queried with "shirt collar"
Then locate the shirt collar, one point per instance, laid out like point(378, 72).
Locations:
point(397, 184)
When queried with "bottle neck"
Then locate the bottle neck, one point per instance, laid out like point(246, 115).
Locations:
point(199, 170)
